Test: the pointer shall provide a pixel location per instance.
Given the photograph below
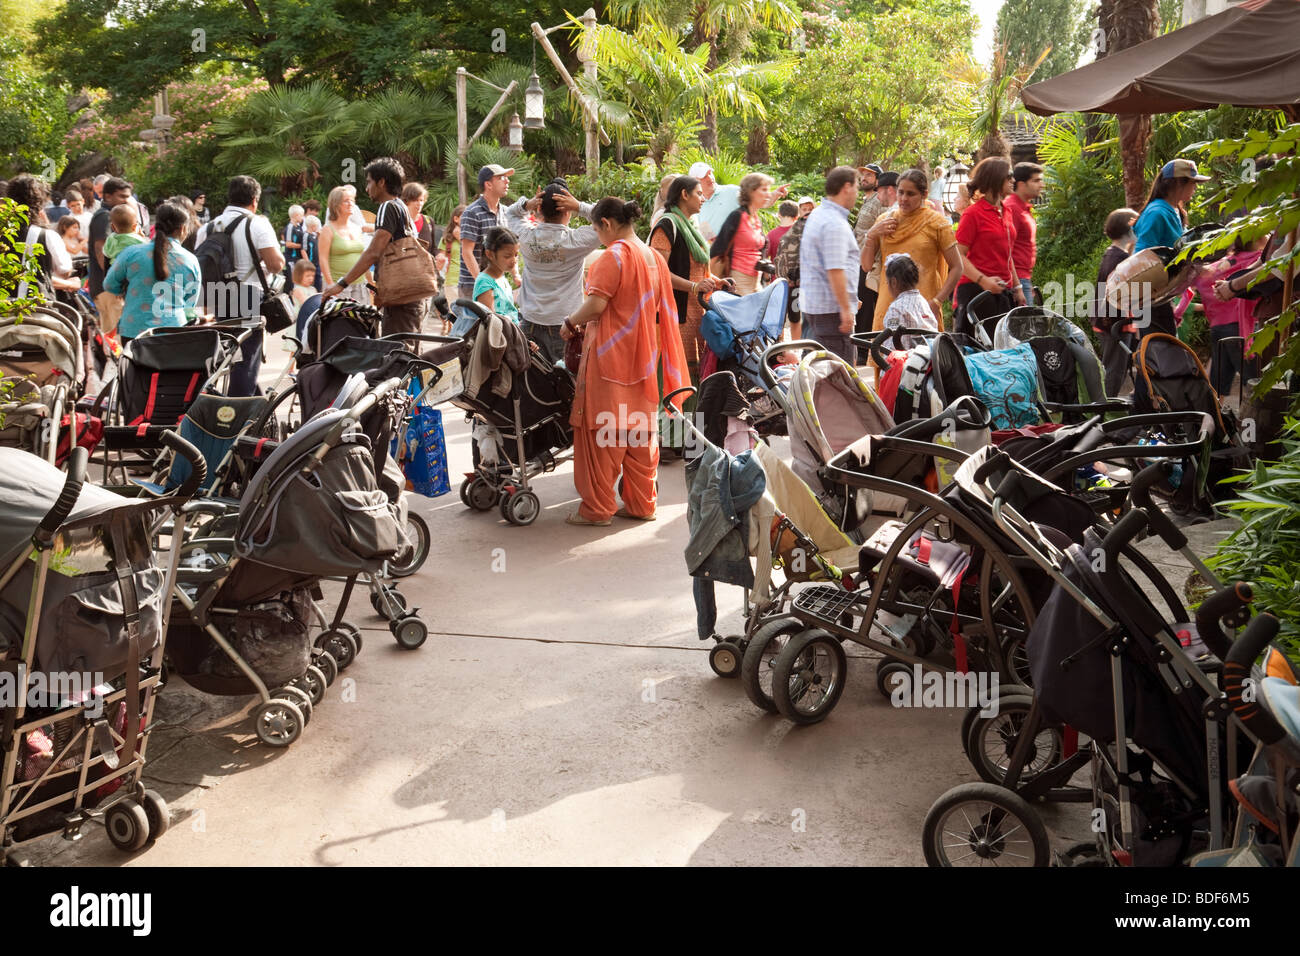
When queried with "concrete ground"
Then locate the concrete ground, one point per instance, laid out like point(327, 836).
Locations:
point(561, 712)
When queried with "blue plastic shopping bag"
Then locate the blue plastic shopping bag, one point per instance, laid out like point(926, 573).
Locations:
point(422, 452)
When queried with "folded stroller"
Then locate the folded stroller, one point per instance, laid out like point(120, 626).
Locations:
point(42, 375)
point(83, 622)
point(740, 331)
point(521, 430)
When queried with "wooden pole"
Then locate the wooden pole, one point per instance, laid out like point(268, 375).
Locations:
point(462, 134)
point(588, 111)
point(591, 127)
point(505, 95)
point(1288, 282)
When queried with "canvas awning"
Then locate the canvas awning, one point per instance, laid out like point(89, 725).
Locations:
point(1246, 56)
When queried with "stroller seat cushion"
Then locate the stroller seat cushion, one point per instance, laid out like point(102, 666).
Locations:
point(1283, 700)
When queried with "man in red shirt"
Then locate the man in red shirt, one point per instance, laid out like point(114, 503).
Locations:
point(1027, 180)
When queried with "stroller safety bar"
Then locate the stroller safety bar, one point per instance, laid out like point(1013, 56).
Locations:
point(1236, 672)
point(1231, 603)
point(801, 345)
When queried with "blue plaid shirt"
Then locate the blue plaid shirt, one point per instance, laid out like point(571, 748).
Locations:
point(828, 243)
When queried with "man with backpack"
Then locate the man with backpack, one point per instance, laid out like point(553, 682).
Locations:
point(231, 249)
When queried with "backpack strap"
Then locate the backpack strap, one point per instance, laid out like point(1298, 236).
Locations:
point(261, 276)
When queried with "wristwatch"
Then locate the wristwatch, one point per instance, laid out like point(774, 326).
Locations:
point(343, 283)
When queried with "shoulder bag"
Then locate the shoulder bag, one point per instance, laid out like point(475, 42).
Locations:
point(278, 310)
point(405, 270)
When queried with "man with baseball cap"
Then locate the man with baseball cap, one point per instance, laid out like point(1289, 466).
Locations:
point(1164, 217)
point(806, 205)
point(484, 213)
point(721, 201)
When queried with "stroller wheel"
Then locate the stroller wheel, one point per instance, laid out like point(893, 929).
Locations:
point(278, 723)
point(520, 508)
point(808, 676)
point(981, 823)
point(155, 809)
point(340, 645)
point(313, 682)
point(127, 825)
point(385, 609)
point(991, 740)
point(418, 531)
point(299, 697)
point(893, 677)
point(480, 495)
point(725, 658)
point(328, 666)
point(1017, 659)
point(1004, 690)
point(756, 666)
point(410, 631)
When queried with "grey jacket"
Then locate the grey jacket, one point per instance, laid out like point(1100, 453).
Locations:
point(721, 490)
point(553, 254)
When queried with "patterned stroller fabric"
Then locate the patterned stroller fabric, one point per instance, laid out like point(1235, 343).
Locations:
point(1006, 381)
point(1029, 324)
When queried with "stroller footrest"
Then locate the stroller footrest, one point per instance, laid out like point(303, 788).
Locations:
point(828, 603)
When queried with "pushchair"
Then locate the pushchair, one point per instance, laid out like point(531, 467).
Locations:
point(1107, 663)
point(1070, 372)
point(243, 600)
point(520, 431)
point(83, 623)
point(42, 375)
point(159, 375)
point(740, 330)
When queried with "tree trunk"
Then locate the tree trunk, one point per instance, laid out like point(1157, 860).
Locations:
point(1127, 23)
point(756, 148)
point(707, 37)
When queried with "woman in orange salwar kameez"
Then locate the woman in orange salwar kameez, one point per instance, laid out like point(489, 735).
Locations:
point(630, 339)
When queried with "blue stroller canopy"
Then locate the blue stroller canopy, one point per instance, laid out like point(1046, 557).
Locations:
point(729, 316)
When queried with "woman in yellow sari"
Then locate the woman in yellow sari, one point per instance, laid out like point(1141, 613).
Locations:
point(631, 339)
point(922, 233)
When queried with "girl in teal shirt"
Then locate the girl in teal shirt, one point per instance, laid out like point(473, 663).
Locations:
point(160, 279)
point(492, 288)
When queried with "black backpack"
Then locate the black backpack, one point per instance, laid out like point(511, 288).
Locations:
point(216, 255)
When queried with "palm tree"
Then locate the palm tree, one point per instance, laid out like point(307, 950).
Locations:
point(651, 87)
point(411, 125)
point(289, 134)
point(712, 24)
point(1126, 23)
point(996, 97)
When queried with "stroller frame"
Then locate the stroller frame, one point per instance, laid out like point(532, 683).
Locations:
point(124, 809)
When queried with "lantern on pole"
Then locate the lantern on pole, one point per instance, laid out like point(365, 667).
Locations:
point(534, 102)
point(958, 175)
point(515, 137)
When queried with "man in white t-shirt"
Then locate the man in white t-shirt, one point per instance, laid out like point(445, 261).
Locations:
point(240, 219)
point(721, 201)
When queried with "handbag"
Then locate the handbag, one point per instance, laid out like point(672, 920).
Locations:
point(278, 311)
point(573, 352)
point(406, 273)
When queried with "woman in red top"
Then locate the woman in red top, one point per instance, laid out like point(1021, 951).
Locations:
point(984, 240)
point(741, 241)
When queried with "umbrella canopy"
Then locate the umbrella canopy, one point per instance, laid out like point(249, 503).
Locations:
point(1246, 56)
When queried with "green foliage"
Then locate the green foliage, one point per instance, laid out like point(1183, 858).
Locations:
point(655, 90)
point(1028, 27)
point(1271, 201)
point(13, 270)
point(1265, 550)
point(877, 91)
point(33, 115)
point(631, 181)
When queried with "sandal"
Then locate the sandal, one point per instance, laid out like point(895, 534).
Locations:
point(624, 513)
point(577, 518)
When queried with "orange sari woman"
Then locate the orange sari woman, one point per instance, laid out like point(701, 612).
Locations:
point(631, 343)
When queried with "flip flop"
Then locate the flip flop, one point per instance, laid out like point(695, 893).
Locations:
point(578, 519)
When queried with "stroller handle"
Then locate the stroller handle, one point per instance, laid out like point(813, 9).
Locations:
point(1140, 493)
point(1126, 529)
point(1230, 602)
point(43, 537)
point(667, 400)
point(1236, 671)
point(198, 466)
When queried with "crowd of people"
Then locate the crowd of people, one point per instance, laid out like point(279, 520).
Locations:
point(874, 252)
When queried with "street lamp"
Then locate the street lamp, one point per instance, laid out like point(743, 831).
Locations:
point(515, 137)
point(534, 101)
point(958, 175)
point(463, 139)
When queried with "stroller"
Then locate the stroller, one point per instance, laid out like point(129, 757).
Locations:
point(159, 375)
point(740, 331)
point(42, 375)
point(1107, 663)
point(520, 432)
point(83, 622)
point(1069, 370)
point(243, 600)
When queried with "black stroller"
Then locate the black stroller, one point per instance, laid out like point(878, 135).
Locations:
point(519, 433)
point(83, 621)
point(313, 510)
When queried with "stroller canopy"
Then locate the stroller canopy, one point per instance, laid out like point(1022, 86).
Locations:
point(29, 486)
point(761, 312)
point(182, 350)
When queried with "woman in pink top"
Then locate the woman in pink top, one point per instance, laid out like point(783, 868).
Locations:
point(741, 241)
point(1226, 319)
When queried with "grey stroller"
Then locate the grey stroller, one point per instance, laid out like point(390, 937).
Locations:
point(83, 621)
